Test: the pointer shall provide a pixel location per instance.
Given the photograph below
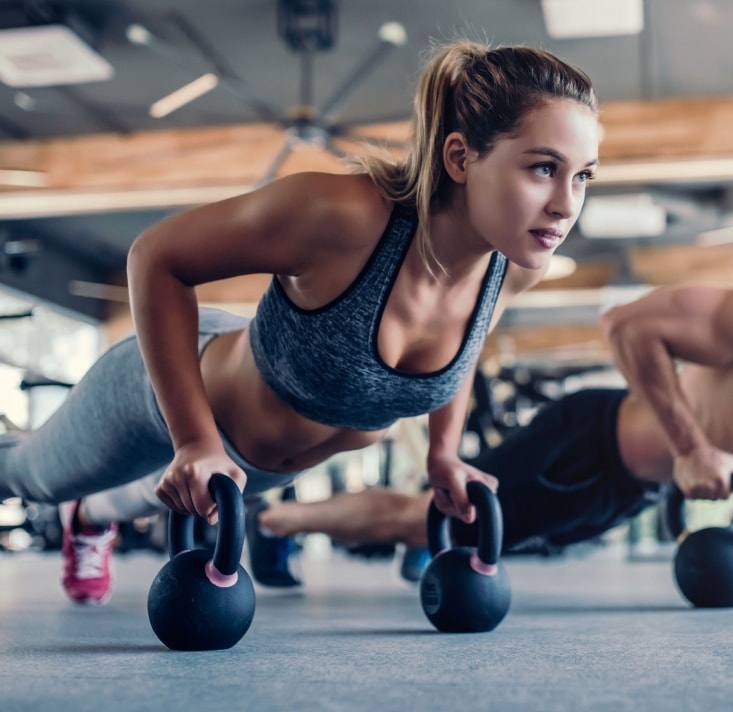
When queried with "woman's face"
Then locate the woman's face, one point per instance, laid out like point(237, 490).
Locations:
point(525, 195)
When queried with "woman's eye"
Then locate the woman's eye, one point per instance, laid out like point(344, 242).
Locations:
point(585, 176)
point(544, 169)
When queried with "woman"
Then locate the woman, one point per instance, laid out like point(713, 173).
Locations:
point(385, 284)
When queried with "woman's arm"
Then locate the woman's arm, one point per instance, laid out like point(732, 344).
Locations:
point(280, 229)
point(447, 472)
point(693, 323)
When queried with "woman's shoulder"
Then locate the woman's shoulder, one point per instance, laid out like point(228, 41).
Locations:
point(352, 191)
point(338, 204)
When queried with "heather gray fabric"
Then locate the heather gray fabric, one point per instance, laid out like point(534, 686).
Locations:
point(325, 362)
point(110, 432)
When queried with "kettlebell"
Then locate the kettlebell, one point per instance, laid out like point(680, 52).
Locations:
point(703, 563)
point(466, 589)
point(197, 602)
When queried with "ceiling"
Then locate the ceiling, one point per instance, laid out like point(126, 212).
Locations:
point(682, 53)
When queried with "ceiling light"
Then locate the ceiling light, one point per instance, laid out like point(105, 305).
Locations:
point(565, 19)
point(185, 95)
point(622, 216)
point(394, 33)
point(138, 34)
point(48, 55)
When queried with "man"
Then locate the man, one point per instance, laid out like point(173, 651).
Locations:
point(587, 461)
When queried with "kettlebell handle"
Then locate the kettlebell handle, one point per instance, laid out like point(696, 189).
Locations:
point(675, 512)
point(490, 524)
point(230, 538)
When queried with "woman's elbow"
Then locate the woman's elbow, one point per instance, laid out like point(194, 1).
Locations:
point(142, 257)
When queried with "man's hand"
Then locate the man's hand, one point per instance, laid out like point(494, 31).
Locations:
point(704, 473)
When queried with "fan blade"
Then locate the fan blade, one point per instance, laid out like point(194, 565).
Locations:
point(277, 162)
point(101, 114)
point(306, 79)
point(205, 49)
point(140, 35)
point(381, 132)
point(333, 149)
point(373, 140)
point(395, 117)
point(390, 35)
point(224, 70)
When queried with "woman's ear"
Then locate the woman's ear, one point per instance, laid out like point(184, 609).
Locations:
point(455, 156)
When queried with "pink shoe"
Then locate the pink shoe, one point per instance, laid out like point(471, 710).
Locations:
point(87, 558)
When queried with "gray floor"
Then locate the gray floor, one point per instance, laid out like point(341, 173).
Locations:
point(594, 633)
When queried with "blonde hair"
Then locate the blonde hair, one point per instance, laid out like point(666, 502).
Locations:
point(480, 92)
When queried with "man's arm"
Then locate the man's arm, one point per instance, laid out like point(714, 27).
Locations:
point(693, 323)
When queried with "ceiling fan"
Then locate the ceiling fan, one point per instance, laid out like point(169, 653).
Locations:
point(307, 27)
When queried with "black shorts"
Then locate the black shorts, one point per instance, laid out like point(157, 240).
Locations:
point(561, 477)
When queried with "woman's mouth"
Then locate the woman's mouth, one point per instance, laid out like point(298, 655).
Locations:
point(548, 239)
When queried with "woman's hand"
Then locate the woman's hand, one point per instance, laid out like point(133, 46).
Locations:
point(448, 475)
point(184, 487)
point(704, 473)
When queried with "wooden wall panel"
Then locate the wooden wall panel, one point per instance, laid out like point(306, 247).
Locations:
point(239, 155)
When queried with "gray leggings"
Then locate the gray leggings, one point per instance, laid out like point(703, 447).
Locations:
point(108, 441)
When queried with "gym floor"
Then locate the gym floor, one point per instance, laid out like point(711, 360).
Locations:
point(584, 633)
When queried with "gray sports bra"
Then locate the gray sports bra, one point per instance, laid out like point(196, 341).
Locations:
point(325, 362)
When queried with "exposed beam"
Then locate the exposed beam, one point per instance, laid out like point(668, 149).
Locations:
point(657, 141)
point(24, 204)
point(683, 263)
point(558, 342)
point(230, 155)
point(21, 205)
point(685, 127)
point(587, 275)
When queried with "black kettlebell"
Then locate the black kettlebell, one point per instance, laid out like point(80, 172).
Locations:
point(197, 602)
point(466, 589)
point(703, 564)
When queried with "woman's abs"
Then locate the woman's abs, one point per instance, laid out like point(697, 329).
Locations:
point(265, 430)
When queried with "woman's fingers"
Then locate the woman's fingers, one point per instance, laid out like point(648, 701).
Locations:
point(454, 503)
point(185, 488)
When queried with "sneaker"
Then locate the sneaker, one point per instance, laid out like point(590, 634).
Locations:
point(87, 555)
point(414, 561)
point(269, 556)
